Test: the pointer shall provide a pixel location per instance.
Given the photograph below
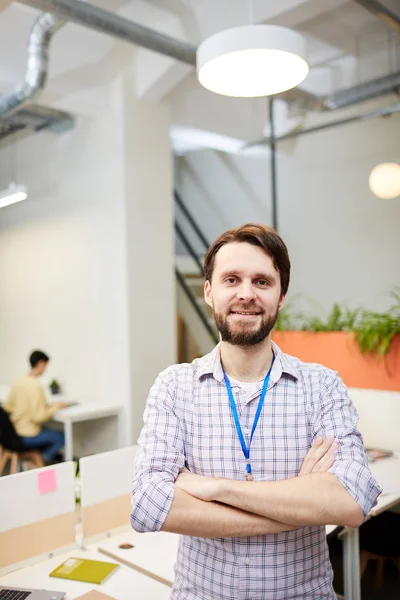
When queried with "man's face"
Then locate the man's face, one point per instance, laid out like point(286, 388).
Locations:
point(41, 367)
point(244, 293)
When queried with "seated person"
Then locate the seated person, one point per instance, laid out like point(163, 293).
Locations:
point(29, 409)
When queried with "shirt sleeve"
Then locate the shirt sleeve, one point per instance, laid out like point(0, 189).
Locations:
point(337, 416)
point(160, 458)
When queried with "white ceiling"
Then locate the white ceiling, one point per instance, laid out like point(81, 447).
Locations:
point(346, 43)
point(341, 35)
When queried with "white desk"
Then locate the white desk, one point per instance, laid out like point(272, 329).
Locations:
point(123, 584)
point(387, 472)
point(153, 554)
point(89, 428)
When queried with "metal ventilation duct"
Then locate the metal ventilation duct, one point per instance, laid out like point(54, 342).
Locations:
point(366, 91)
point(84, 13)
point(386, 111)
point(386, 10)
point(31, 119)
point(36, 69)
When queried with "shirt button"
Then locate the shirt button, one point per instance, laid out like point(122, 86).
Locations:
point(246, 561)
point(246, 430)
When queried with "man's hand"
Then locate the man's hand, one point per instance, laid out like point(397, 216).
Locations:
point(199, 486)
point(320, 456)
point(61, 405)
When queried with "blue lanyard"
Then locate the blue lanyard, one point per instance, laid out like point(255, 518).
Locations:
point(245, 449)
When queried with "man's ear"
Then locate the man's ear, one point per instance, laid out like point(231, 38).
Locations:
point(281, 302)
point(207, 293)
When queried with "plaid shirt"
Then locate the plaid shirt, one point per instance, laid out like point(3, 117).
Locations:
point(188, 419)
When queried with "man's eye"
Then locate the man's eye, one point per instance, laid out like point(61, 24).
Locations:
point(262, 282)
point(230, 280)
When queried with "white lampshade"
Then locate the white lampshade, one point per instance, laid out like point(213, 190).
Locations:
point(384, 181)
point(252, 61)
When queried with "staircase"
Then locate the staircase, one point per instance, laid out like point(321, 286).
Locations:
point(197, 334)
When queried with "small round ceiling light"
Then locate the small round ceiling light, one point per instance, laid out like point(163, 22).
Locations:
point(384, 181)
point(252, 61)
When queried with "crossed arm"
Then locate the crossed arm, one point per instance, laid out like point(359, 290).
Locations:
point(182, 502)
point(211, 507)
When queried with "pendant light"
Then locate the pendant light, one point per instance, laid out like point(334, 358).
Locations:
point(384, 181)
point(252, 61)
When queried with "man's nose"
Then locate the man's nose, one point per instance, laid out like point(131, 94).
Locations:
point(246, 291)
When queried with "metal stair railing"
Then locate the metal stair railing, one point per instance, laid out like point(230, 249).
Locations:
point(189, 247)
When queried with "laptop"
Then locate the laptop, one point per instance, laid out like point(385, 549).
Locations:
point(10, 593)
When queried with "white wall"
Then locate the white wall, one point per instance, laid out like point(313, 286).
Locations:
point(63, 271)
point(344, 243)
point(86, 263)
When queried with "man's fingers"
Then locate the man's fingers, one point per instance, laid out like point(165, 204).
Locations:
point(323, 448)
point(320, 456)
point(325, 463)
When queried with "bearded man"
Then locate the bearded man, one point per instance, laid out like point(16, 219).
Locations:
point(248, 452)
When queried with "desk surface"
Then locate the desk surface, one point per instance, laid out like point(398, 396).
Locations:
point(123, 584)
point(152, 553)
point(85, 412)
point(387, 473)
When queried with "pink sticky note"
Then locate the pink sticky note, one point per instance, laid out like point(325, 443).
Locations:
point(47, 481)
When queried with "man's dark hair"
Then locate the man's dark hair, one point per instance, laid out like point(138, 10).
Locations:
point(258, 235)
point(37, 356)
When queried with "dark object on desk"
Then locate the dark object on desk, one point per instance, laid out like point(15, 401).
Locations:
point(380, 541)
point(55, 387)
point(7, 593)
point(125, 546)
point(374, 454)
point(13, 448)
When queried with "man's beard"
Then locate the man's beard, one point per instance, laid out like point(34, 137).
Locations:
point(247, 335)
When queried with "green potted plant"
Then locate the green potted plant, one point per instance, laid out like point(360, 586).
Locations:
point(362, 345)
point(55, 387)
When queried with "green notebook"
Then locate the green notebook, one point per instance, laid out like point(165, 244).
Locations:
point(84, 569)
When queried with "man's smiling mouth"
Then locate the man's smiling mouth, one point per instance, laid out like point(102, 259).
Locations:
point(245, 313)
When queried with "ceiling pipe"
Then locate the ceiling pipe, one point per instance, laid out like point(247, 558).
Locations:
point(383, 13)
point(378, 112)
point(36, 70)
point(84, 13)
point(365, 91)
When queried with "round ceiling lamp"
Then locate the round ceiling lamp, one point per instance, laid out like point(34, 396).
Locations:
point(384, 181)
point(252, 61)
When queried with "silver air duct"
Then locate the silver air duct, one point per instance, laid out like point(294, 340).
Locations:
point(366, 91)
point(36, 70)
point(112, 24)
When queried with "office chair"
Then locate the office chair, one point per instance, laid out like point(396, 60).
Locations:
point(12, 447)
point(380, 541)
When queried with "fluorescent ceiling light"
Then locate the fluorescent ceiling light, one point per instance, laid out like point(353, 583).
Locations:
point(15, 193)
point(252, 61)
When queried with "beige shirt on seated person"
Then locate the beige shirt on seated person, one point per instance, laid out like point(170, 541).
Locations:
point(28, 407)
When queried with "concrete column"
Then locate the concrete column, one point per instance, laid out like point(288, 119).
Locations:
point(150, 246)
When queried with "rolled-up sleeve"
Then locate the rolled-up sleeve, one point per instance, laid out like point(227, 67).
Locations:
point(335, 415)
point(160, 457)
